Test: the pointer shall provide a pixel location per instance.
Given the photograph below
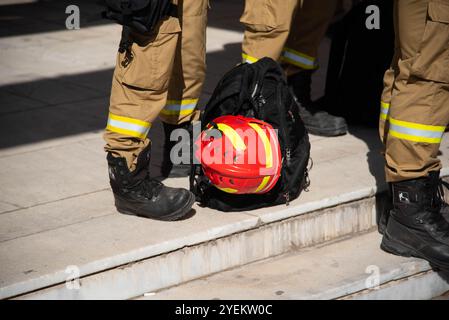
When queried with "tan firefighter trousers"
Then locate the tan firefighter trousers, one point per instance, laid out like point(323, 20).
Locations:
point(162, 75)
point(286, 30)
point(415, 100)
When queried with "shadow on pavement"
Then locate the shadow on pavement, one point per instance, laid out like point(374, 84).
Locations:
point(49, 15)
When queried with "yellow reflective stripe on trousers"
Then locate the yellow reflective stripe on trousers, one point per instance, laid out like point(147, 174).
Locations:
point(384, 110)
point(415, 132)
point(128, 126)
point(298, 59)
point(248, 59)
point(180, 107)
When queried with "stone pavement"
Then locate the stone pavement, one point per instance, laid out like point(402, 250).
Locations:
point(56, 207)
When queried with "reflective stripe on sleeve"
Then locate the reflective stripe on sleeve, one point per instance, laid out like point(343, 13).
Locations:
point(180, 107)
point(384, 110)
point(415, 132)
point(128, 126)
point(298, 59)
point(248, 59)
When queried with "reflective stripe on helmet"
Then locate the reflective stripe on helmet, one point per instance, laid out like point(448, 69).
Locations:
point(244, 158)
point(227, 190)
point(232, 135)
point(266, 144)
point(263, 184)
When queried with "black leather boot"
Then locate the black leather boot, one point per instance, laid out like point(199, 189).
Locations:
point(416, 226)
point(384, 204)
point(316, 120)
point(136, 194)
point(170, 169)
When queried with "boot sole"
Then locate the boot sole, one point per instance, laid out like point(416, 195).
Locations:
point(327, 133)
point(399, 248)
point(178, 214)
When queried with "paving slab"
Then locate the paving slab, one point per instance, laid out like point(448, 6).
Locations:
point(50, 91)
point(48, 143)
point(193, 261)
point(5, 207)
point(49, 216)
point(52, 121)
point(106, 241)
point(52, 174)
point(14, 103)
point(322, 272)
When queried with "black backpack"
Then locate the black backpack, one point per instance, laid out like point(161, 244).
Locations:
point(141, 16)
point(258, 91)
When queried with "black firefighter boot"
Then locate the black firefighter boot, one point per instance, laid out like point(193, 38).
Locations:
point(416, 226)
point(170, 169)
point(136, 194)
point(385, 204)
point(316, 120)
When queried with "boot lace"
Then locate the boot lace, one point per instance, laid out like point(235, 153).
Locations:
point(151, 187)
point(147, 187)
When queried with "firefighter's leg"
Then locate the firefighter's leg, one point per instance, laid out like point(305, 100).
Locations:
point(308, 29)
point(419, 113)
point(185, 88)
point(418, 116)
point(267, 25)
point(139, 93)
point(385, 102)
point(299, 59)
point(189, 65)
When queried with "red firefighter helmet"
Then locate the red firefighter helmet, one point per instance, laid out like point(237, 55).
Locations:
point(240, 155)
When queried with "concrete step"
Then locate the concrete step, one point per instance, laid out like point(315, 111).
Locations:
point(230, 241)
point(353, 268)
point(71, 233)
